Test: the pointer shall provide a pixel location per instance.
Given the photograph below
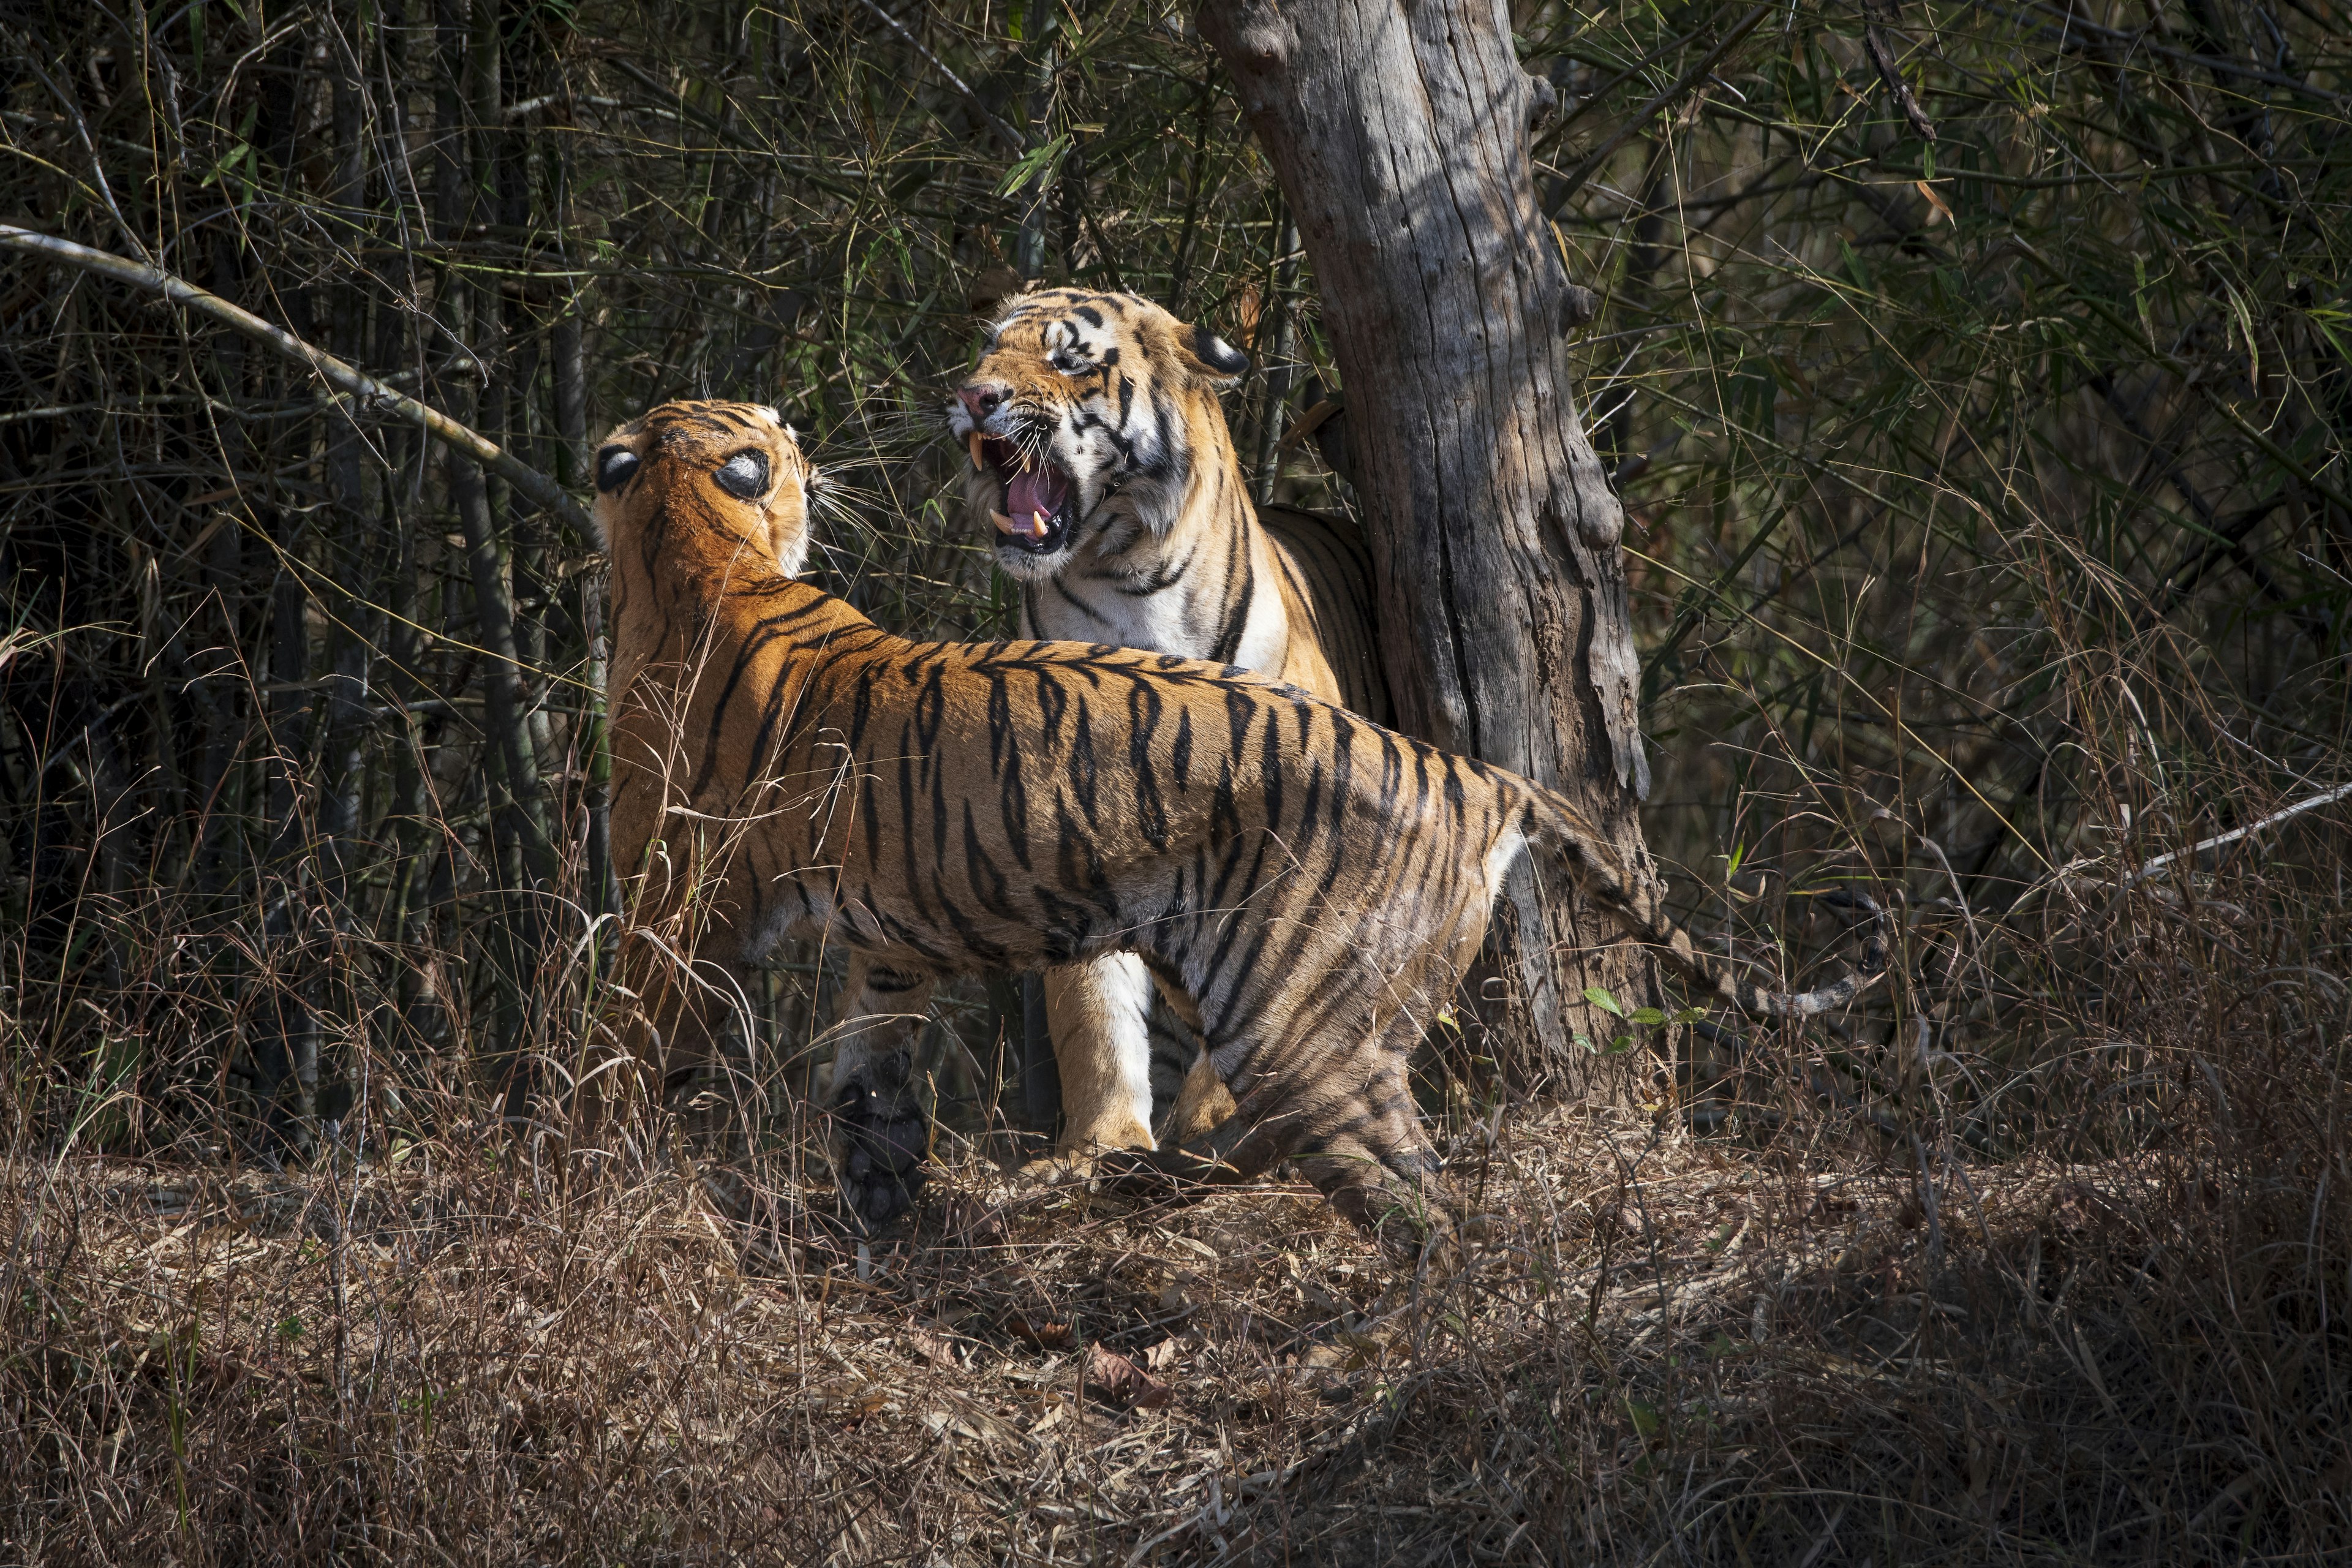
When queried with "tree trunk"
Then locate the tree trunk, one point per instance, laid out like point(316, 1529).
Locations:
point(1399, 129)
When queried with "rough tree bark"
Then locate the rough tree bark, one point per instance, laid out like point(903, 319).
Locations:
point(1399, 130)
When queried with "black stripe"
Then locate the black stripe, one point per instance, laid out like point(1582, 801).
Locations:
point(931, 704)
point(1013, 804)
point(1052, 703)
point(988, 883)
point(1142, 723)
point(1271, 774)
point(999, 722)
point(1080, 765)
point(914, 880)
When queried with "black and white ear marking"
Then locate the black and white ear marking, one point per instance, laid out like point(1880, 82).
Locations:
point(744, 476)
point(615, 466)
point(1219, 355)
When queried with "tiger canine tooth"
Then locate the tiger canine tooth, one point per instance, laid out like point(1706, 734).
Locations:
point(1003, 523)
point(1037, 525)
point(972, 444)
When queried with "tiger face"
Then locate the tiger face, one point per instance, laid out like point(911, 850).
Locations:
point(1082, 419)
point(735, 467)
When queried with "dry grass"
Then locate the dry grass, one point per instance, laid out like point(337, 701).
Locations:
point(1666, 1347)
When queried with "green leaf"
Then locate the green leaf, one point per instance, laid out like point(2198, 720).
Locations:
point(1646, 1420)
point(1599, 996)
point(1037, 165)
point(226, 164)
point(1854, 269)
point(1650, 1016)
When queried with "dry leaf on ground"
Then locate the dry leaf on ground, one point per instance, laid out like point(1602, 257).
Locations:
point(1119, 1380)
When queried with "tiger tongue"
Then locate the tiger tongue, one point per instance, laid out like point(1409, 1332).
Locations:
point(1041, 490)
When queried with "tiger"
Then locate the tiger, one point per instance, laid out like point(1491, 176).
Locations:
point(1104, 475)
point(1302, 884)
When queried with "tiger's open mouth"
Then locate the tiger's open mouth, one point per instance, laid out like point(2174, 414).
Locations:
point(1039, 502)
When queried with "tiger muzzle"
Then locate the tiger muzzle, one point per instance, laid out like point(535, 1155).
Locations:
point(1036, 501)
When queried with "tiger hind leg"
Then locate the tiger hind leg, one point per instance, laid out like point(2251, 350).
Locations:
point(1369, 1156)
point(1201, 1103)
point(1353, 1129)
point(1239, 1149)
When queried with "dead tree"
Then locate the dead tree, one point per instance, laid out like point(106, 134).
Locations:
point(1400, 132)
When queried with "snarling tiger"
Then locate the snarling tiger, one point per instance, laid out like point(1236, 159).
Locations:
point(1301, 882)
point(1103, 471)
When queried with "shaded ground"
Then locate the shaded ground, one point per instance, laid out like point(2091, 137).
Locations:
point(1667, 1348)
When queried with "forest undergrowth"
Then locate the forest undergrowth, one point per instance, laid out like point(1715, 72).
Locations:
point(1977, 382)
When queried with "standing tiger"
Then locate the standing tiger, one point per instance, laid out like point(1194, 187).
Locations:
point(1106, 478)
point(1304, 884)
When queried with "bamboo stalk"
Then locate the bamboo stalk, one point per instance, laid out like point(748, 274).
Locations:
point(1274, 358)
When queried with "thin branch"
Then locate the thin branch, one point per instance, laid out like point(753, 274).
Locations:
point(1005, 133)
point(1877, 15)
point(2168, 461)
point(2325, 797)
point(2071, 23)
point(369, 396)
point(97, 165)
point(1600, 95)
point(2130, 332)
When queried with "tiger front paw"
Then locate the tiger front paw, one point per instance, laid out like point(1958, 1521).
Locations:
point(880, 1140)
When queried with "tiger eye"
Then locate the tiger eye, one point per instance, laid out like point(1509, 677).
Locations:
point(744, 476)
point(614, 467)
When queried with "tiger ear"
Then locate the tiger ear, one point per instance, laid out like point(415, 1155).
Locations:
point(1209, 356)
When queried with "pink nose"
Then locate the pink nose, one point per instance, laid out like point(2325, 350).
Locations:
point(980, 398)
